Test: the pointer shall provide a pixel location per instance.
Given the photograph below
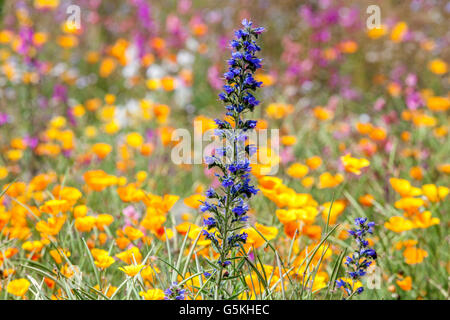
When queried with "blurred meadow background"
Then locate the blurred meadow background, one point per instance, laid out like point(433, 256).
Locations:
point(87, 114)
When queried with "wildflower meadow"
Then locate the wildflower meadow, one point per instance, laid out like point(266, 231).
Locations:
point(224, 150)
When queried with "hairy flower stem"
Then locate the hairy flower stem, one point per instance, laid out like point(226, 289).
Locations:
point(223, 252)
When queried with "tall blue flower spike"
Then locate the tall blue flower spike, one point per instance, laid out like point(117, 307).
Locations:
point(361, 259)
point(228, 203)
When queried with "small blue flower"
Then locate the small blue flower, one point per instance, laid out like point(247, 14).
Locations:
point(174, 292)
point(259, 30)
point(227, 182)
point(210, 193)
point(340, 283)
point(228, 89)
point(250, 124)
point(224, 264)
point(246, 23)
point(207, 207)
point(210, 160)
point(240, 209)
point(210, 222)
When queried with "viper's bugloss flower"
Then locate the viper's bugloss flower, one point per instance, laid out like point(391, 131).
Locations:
point(229, 210)
point(361, 258)
point(210, 222)
point(174, 292)
point(234, 240)
point(210, 193)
